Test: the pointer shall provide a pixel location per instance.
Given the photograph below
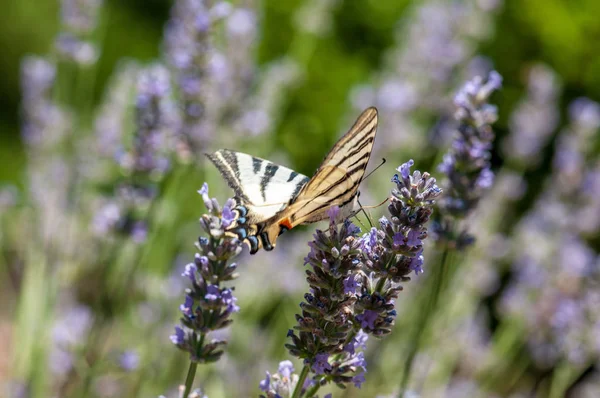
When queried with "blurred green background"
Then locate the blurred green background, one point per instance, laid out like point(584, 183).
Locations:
point(351, 50)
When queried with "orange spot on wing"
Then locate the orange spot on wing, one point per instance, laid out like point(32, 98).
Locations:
point(286, 223)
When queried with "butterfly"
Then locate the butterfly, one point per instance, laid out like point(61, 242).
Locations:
point(271, 199)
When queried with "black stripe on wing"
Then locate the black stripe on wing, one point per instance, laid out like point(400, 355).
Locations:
point(227, 163)
point(270, 171)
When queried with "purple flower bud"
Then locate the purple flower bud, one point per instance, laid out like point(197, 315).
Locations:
point(286, 368)
point(179, 336)
point(321, 364)
point(190, 272)
point(265, 384)
point(186, 307)
point(229, 300)
point(360, 340)
point(227, 217)
point(404, 169)
point(213, 293)
point(416, 263)
point(367, 319)
point(201, 260)
point(358, 380)
point(398, 239)
point(205, 198)
point(413, 238)
point(353, 230)
point(351, 284)
point(333, 213)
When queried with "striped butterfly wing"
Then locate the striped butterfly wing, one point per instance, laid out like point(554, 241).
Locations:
point(336, 181)
point(262, 190)
point(271, 199)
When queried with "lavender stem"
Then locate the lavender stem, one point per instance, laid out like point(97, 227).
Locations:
point(189, 380)
point(299, 386)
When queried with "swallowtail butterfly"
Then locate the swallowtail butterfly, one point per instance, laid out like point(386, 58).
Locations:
point(271, 199)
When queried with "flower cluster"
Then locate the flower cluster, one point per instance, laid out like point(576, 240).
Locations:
point(467, 164)
point(395, 250)
point(280, 384)
point(208, 305)
point(355, 281)
point(348, 366)
point(327, 312)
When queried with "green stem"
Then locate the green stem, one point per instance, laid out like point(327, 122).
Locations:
point(189, 380)
point(303, 375)
point(423, 321)
point(313, 390)
point(563, 376)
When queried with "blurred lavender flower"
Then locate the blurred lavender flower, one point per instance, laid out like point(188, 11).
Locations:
point(395, 250)
point(535, 119)
point(434, 41)
point(554, 292)
point(80, 15)
point(46, 126)
point(79, 19)
point(144, 161)
point(213, 72)
point(208, 305)
point(188, 48)
point(156, 122)
point(467, 164)
point(68, 334)
point(280, 384)
point(113, 117)
point(129, 360)
point(44, 122)
point(265, 103)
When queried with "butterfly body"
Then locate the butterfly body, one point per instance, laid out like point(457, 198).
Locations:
point(271, 199)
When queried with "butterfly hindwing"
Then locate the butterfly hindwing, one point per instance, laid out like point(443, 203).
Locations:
point(263, 187)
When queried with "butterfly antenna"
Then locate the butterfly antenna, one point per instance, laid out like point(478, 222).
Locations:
point(375, 169)
point(362, 208)
point(375, 206)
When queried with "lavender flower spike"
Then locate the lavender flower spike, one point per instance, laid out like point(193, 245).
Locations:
point(467, 163)
point(208, 305)
point(326, 324)
point(393, 251)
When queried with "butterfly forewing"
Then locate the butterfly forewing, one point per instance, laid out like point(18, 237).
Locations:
point(336, 181)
